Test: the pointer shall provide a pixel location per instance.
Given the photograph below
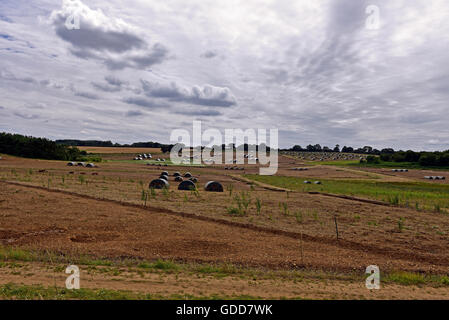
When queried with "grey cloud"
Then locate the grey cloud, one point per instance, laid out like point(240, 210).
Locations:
point(6, 75)
point(312, 70)
point(5, 18)
point(91, 37)
point(39, 106)
point(134, 113)
point(347, 16)
point(82, 93)
point(51, 84)
point(6, 37)
point(205, 96)
point(102, 38)
point(145, 103)
point(156, 55)
point(276, 75)
point(208, 113)
point(106, 87)
point(87, 95)
point(112, 84)
point(209, 54)
point(26, 116)
point(113, 81)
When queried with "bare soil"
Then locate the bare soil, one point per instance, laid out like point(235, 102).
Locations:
point(44, 205)
point(37, 219)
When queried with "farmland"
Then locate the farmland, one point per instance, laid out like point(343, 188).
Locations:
point(119, 150)
point(263, 237)
point(419, 195)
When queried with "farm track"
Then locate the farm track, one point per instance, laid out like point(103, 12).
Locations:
point(388, 254)
point(181, 283)
point(260, 184)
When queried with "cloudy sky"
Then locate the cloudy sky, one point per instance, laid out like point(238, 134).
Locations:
point(137, 69)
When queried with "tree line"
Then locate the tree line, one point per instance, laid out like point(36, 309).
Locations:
point(99, 143)
point(40, 148)
point(424, 158)
point(345, 149)
point(437, 158)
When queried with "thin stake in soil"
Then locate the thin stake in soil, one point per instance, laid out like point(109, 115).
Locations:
point(302, 250)
point(336, 226)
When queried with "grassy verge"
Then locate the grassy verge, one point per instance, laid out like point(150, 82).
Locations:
point(418, 195)
point(24, 292)
point(219, 270)
point(409, 278)
point(170, 267)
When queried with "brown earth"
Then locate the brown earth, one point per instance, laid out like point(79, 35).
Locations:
point(103, 216)
point(368, 227)
point(37, 219)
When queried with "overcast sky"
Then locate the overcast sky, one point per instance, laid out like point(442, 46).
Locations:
point(137, 69)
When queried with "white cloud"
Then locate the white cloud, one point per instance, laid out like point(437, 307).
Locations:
point(206, 95)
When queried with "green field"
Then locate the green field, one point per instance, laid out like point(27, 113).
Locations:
point(419, 195)
point(382, 164)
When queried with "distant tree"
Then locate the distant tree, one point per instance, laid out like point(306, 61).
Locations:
point(346, 149)
point(372, 159)
point(444, 159)
point(387, 150)
point(86, 143)
point(367, 149)
point(428, 159)
point(411, 156)
point(166, 147)
point(337, 148)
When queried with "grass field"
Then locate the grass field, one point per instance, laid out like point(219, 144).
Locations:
point(382, 164)
point(420, 195)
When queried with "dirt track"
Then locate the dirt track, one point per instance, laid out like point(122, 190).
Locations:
point(183, 283)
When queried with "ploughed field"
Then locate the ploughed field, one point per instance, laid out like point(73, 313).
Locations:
point(270, 224)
